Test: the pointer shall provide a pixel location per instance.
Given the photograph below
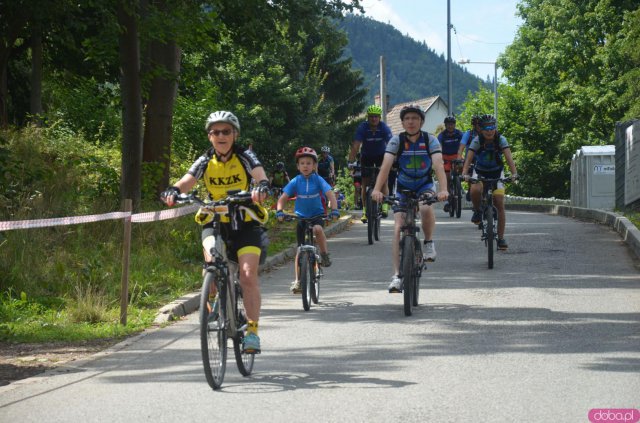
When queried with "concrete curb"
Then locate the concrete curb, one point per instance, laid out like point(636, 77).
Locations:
point(627, 230)
point(189, 303)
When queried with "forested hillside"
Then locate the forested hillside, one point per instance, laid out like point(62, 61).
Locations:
point(413, 69)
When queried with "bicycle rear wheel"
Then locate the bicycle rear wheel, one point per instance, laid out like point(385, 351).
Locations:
point(213, 335)
point(408, 258)
point(370, 222)
point(488, 217)
point(304, 273)
point(458, 194)
point(243, 360)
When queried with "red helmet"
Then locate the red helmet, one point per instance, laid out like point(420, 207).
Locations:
point(308, 152)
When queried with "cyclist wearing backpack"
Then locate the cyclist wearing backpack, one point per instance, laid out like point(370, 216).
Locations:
point(417, 154)
point(326, 165)
point(449, 141)
point(371, 140)
point(488, 149)
point(279, 178)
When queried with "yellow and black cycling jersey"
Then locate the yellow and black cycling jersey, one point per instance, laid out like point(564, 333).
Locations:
point(234, 174)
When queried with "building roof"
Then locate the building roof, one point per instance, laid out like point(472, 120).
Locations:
point(393, 116)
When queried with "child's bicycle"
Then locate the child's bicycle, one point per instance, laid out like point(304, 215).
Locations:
point(309, 263)
point(222, 316)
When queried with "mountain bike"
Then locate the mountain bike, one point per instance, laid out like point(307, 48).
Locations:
point(222, 316)
point(411, 261)
point(374, 211)
point(455, 190)
point(489, 222)
point(309, 263)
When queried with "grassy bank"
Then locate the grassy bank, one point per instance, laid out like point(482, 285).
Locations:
point(63, 283)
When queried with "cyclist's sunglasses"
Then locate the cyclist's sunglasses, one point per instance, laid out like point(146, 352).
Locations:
point(222, 131)
point(489, 128)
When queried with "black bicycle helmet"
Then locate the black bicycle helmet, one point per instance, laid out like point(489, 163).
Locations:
point(280, 166)
point(450, 119)
point(475, 119)
point(487, 120)
point(412, 108)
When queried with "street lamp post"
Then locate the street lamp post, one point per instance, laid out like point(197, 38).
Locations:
point(495, 82)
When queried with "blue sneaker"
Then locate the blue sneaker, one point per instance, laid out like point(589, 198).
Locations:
point(251, 344)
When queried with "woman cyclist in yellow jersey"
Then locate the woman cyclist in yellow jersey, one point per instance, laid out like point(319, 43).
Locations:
point(227, 166)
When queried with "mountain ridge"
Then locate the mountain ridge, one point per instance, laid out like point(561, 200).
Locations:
point(406, 60)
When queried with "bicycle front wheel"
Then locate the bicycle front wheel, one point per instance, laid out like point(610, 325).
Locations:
point(213, 334)
point(304, 273)
point(416, 278)
point(458, 194)
point(315, 278)
point(243, 360)
point(370, 217)
point(376, 227)
point(408, 274)
point(488, 217)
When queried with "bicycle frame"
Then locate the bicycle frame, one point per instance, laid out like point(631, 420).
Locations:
point(308, 263)
point(222, 269)
point(411, 267)
point(489, 222)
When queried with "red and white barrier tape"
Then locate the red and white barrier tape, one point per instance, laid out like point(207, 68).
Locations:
point(62, 221)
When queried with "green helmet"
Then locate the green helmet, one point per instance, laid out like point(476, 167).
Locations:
point(374, 110)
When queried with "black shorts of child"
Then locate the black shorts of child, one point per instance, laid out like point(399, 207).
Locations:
point(301, 226)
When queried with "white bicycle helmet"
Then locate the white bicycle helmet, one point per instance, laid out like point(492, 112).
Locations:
point(325, 149)
point(222, 116)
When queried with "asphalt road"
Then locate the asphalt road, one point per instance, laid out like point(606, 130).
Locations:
point(547, 335)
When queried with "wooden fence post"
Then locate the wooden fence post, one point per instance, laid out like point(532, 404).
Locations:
point(126, 252)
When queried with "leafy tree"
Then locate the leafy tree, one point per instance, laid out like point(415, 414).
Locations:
point(566, 65)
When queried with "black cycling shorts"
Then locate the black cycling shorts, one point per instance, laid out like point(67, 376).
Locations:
point(250, 234)
point(368, 162)
point(318, 220)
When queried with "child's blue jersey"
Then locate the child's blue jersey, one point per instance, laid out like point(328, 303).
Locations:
point(308, 194)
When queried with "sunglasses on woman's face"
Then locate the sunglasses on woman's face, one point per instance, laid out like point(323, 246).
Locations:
point(216, 132)
point(489, 128)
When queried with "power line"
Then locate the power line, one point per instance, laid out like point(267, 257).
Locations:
point(482, 42)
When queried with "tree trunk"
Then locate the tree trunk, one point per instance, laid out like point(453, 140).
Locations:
point(130, 183)
point(13, 30)
point(165, 64)
point(36, 78)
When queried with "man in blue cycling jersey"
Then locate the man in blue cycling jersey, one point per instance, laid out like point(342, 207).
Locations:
point(371, 140)
point(449, 141)
point(417, 154)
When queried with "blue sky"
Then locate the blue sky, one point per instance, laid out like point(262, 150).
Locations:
point(483, 28)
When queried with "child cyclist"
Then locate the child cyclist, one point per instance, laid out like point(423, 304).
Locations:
point(308, 187)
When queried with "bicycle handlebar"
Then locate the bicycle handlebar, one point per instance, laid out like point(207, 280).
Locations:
point(479, 179)
point(289, 217)
point(424, 198)
point(234, 197)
